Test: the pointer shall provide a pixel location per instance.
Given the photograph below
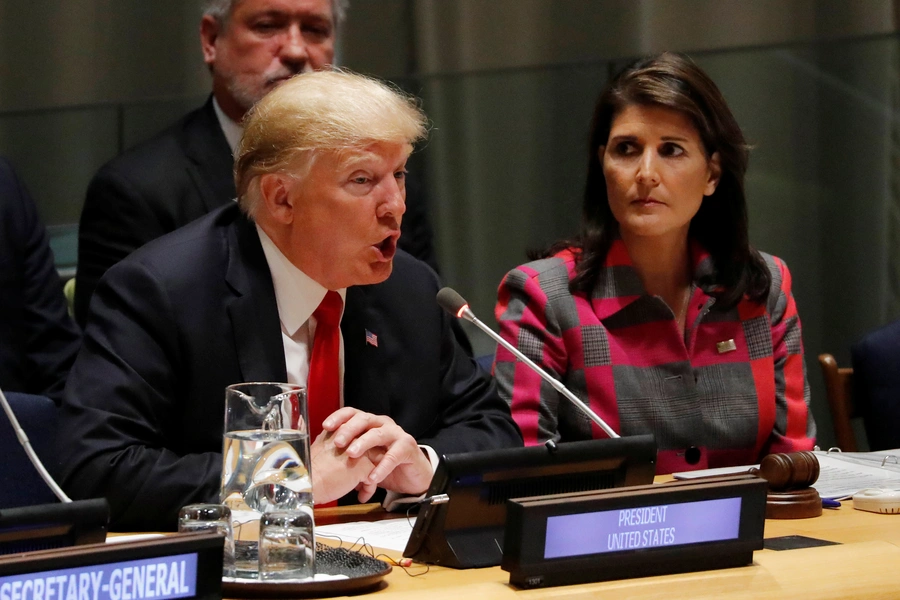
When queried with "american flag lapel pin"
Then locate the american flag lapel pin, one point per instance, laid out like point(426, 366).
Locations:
point(726, 346)
point(371, 338)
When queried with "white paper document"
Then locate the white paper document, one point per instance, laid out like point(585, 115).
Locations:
point(391, 534)
point(841, 474)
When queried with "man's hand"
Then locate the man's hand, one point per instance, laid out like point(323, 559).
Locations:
point(334, 472)
point(400, 465)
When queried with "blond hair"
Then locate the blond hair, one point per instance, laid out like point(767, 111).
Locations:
point(314, 112)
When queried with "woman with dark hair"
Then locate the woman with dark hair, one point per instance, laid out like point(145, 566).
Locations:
point(659, 314)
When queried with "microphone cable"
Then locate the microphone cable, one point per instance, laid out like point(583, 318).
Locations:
point(29, 451)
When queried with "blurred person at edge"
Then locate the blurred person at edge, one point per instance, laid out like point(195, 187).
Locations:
point(184, 172)
point(660, 314)
point(38, 339)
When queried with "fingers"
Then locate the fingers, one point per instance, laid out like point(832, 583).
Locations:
point(412, 474)
point(365, 492)
point(362, 431)
point(398, 454)
point(319, 442)
point(334, 472)
point(384, 436)
point(392, 455)
point(338, 418)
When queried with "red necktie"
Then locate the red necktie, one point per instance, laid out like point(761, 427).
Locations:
point(324, 383)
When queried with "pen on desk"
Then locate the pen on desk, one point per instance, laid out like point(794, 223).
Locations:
point(829, 503)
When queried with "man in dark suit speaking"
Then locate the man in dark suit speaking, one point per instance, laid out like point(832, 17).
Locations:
point(237, 296)
point(250, 46)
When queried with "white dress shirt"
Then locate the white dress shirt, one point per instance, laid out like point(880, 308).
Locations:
point(232, 129)
point(297, 296)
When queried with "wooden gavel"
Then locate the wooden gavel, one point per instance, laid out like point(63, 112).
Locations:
point(786, 472)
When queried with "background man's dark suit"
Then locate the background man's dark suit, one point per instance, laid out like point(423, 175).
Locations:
point(38, 340)
point(195, 311)
point(876, 385)
point(167, 182)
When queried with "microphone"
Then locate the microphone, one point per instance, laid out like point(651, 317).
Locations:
point(453, 303)
point(29, 451)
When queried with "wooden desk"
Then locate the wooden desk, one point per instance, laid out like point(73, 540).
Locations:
point(865, 565)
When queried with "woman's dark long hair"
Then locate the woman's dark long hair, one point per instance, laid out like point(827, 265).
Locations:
point(673, 81)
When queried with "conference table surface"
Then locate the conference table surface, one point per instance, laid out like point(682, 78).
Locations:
point(865, 564)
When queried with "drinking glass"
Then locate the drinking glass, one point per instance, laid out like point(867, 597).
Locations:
point(287, 548)
point(265, 461)
point(210, 518)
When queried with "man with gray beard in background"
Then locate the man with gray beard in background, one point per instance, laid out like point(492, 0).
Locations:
point(183, 173)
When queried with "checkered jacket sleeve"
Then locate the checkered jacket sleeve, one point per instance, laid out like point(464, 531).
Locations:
point(528, 321)
point(794, 428)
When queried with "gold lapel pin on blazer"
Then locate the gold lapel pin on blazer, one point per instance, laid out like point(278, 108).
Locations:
point(726, 346)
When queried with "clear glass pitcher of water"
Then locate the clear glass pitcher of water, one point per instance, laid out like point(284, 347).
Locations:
point(265, 461)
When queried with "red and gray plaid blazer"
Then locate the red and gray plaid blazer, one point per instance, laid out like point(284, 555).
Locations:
point(620, 351)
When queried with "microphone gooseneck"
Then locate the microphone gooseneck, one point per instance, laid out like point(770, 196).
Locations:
point(450, 300)
point(29, 451)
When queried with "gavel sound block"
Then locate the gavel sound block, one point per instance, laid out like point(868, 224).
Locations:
point(790, 477)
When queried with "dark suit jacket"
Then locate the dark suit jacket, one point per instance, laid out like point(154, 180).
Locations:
point(38, 340)
point(876, 385)
point(194, 312)
point(165, 183)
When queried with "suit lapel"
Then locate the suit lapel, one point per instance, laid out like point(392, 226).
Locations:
point(210, 160)
point(253, 310)
point(367, 368)
point(256, 328)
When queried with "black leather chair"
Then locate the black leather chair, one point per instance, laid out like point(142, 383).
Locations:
point(20, 483)
point(876, 385)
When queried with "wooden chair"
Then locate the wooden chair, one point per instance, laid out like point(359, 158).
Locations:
point(839, 389)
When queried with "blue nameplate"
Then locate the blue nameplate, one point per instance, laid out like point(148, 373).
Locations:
point(676, 527)
point(177, 566)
